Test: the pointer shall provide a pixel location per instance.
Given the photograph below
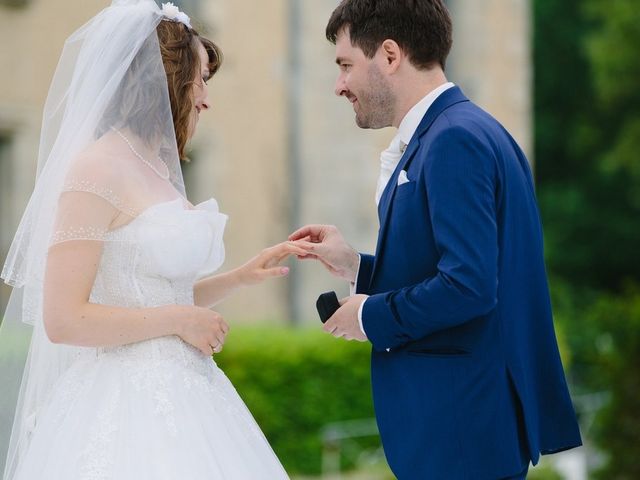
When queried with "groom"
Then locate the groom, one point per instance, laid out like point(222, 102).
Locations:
point(467, 379)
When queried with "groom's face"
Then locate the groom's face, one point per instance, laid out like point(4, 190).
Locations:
point(362, 83)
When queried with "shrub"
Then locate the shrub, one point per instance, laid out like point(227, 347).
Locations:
point(617, 428)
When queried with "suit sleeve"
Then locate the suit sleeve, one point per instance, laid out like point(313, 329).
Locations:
point(364, 273)
point(460, 178)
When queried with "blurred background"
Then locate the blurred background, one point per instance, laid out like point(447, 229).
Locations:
point(279, 149)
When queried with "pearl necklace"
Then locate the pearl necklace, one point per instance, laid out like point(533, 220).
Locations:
point(164, 176)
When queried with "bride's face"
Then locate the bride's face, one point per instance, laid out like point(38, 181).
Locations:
point(200, 88)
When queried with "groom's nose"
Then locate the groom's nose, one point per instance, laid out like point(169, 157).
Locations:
point(341, 86)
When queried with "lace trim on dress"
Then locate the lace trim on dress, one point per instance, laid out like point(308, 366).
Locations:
point(106, 193)
point(97, 457)
point(78, 233)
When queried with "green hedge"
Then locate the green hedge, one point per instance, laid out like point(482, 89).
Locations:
point(617, 429)
point(295, 382)
point(602, 331)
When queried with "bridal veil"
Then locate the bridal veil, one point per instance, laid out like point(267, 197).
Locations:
point(110, 83)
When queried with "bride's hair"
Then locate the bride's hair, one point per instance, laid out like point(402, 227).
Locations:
point(179, 47)
point(137, 104)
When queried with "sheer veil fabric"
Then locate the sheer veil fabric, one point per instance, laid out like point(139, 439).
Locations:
point(108, 98)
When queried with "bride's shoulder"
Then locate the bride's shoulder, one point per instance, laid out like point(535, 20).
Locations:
point(99, 162)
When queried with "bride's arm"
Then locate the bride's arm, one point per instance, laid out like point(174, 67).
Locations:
point(69, 316)
point(211, 290)
point(71, 319)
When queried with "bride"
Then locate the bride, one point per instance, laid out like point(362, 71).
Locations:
point(112, 266)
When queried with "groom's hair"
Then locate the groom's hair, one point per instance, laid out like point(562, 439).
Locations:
point(422, 28)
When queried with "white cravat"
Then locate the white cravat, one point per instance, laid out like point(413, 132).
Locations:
point(389, 160)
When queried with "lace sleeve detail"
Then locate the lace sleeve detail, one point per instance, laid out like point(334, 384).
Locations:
point(78, 233)
point(85, 213)
point(107, 194)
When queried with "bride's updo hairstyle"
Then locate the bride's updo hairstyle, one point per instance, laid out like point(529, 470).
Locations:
point(179, 47)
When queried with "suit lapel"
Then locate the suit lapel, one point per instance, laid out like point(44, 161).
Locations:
point(445, 100)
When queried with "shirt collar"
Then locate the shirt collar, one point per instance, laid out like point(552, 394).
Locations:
point(412, 119)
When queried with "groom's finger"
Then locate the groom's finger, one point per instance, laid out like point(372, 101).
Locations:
point(308, 247)
point(301, 233)
point(307, 231)
point(305, 244)
point(318, 249)
point(331, 325)
point(307, 257)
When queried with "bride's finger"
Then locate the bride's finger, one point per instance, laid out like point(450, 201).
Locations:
point(283, 250)
point(292, 248)
point(280, 253)
point(276, 272)
point(219, 340)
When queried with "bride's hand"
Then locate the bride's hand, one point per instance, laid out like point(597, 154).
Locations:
point(267, 263)
point(204, 329)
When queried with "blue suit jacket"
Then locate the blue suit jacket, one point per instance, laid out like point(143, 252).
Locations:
point(472, 386)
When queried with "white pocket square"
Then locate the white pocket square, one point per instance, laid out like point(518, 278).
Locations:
point(402, 178)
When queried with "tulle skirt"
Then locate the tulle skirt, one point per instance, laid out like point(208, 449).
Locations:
point(155, 410)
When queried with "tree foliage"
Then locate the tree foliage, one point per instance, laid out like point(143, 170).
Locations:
point(587, 120)
point(587, 144)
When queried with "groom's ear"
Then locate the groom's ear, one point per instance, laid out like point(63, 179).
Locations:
point(391, 55)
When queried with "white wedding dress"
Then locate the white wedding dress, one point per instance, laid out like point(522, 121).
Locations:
point(158, 409)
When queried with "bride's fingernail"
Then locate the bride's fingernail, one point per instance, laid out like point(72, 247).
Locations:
point(285, 270)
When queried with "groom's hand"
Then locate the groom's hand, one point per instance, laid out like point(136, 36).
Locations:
point(326, 244)
point(344, 323)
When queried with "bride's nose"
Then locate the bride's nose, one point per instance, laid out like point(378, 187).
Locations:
point(202, 101)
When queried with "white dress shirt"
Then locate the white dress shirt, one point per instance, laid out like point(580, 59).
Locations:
point(406, 129)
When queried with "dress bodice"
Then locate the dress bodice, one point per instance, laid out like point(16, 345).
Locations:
point(156, 258)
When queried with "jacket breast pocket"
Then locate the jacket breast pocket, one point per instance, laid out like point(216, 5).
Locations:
point(404, 190)
point(404, 199)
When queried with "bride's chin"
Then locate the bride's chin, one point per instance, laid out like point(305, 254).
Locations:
point(192, 129)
